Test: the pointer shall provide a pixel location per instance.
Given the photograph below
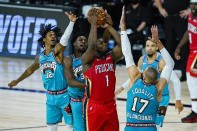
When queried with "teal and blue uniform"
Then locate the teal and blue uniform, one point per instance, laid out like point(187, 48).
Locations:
point(165, 94)
point(57, 95)
point(142, 107)
point(77, 95)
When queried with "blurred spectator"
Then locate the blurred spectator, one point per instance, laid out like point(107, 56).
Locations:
point(136, 21)
point(175, 13)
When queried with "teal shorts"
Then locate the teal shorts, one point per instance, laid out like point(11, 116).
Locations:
point(77, 111)
point(57, 107)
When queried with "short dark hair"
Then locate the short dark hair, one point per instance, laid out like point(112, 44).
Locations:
point(74, 37)
point(151, 75)
point(45, 29)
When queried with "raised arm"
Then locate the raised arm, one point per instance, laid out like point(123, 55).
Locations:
point(116, 51)
point(30, 70)
point(68, 73)
point(59, 48)
point(183, 41)
point(126, 50)
point(88, 56)
point(167, 70)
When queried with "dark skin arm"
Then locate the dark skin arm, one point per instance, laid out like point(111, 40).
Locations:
point(88, 56)
point(68, 73)
point(30, 70)
point(184, 40)
point(116, 51)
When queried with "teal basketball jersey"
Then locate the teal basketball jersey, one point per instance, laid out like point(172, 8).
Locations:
point(154, 64)
point(142, 105)
point(52, 72)
point(78, 75)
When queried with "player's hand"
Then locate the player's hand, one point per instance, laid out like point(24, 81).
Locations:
point(93, 16)
point(122, 20)
point(177, 54)
point(118, 91)
point(12, 83)
point(154, 31)
point(71, 16)
point(163, 12)
point(108, 20)
point(179, 106)
point(184, 13)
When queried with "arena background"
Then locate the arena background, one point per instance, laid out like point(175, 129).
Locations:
point(23, 107)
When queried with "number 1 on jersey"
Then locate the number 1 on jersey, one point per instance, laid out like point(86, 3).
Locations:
point(107, 80)
point(190, 37)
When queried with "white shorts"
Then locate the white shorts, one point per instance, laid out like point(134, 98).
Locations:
point(192, 85)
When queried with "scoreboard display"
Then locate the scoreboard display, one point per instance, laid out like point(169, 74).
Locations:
point(20, 25)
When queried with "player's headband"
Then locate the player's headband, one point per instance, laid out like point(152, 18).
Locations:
point(193, 1)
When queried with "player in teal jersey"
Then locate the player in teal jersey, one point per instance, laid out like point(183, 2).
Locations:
point(50, 63)
point(75, 79)
point(145, 89)
point(155, 60)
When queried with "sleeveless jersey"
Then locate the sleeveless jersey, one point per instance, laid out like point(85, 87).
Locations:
point(154, 64)
point(192, 32)
point(52, 72)
point(142, 104)
point(78, 75)
point(101, 80)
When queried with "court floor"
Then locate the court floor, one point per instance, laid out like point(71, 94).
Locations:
point(23, 108)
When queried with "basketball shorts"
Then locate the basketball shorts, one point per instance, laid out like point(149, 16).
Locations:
point(162, 110)
point(100, 116)
point(127, 128)
point(191, 83)
point(58, 106)
point(189, 63)
point(77, 111)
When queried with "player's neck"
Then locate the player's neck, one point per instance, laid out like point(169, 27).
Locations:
point(47, 49)
point(152, 58)
point(78, 54)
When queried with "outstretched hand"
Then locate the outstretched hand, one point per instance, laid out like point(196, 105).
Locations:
point(122, 20)
point(154, 32)
point(12, 83)
point(179, 106)
point(71, 16)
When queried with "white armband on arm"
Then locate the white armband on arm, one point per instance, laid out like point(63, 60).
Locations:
point(167, 70)
point(65, 37)
point(126, 49)
point(176, 85)
point(126, 84)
